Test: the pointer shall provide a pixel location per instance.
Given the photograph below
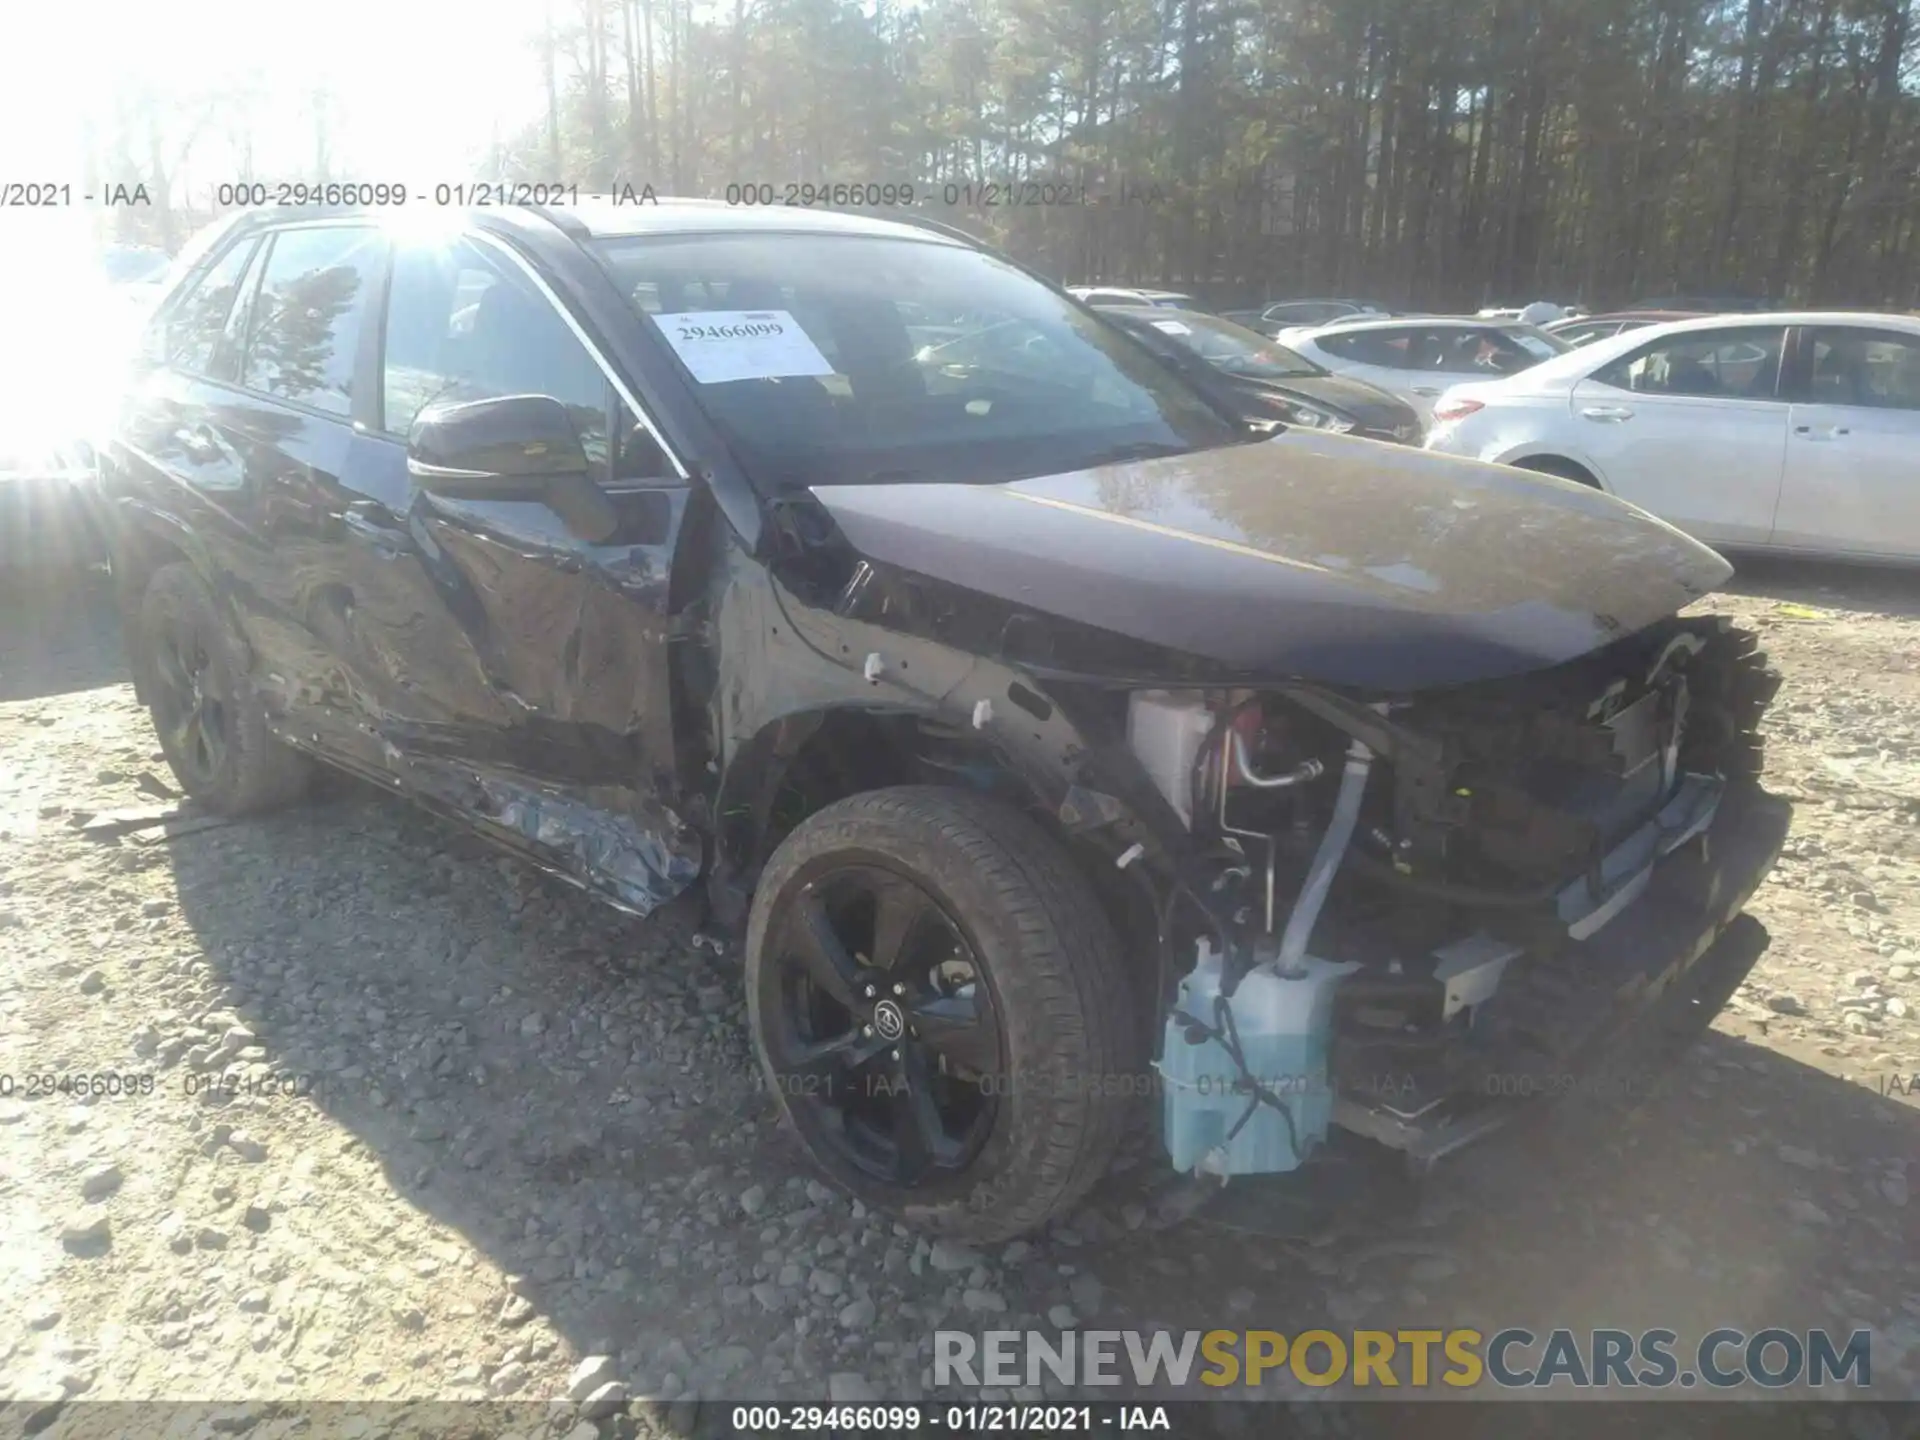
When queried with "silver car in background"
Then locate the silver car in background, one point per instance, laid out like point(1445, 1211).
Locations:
point(1796, 431)
point(1419, 357)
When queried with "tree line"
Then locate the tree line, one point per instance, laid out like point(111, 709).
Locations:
point(1441, 153)
point(1437, 154)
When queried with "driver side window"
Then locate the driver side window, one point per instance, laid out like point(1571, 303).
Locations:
point(465, 324)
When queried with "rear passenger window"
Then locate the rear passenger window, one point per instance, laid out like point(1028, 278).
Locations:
point(190, 334)
point(1864, 367)
point(305, 330)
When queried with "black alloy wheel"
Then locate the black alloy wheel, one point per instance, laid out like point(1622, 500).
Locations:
point(194, 677)
point(192, 703)
point(942, 1009)
point(880, 1028)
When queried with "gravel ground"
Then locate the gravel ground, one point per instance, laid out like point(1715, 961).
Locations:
point(477, 1136)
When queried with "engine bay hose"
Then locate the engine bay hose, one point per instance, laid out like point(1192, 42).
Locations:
point(1326, 862)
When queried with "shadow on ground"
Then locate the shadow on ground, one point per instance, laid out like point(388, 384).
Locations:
point(60, 634)
point(1881, 589)
point(1748, 1191)
point(572, 1091)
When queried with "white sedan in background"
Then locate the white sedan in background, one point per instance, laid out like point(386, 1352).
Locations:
point(1418, 357)
point(1797, 432)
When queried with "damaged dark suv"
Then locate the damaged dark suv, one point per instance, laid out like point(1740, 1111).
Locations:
point(1053, 740)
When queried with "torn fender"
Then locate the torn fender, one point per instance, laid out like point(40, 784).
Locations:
point(785, 664)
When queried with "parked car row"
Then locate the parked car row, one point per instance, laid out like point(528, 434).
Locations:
point(1788, 431)
point(1114, 295)
point(1264, 381)
point(1579, 329)
point(1272, 318)
point(1417, 359)
point(1796, 431)
point(1270, 383)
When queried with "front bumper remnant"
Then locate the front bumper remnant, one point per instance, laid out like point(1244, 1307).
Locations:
point(1682, 937)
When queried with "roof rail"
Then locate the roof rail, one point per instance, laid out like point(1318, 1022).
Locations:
point(571, 226)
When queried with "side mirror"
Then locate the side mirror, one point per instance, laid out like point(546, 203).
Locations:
point(514, 447)
point(510, 448)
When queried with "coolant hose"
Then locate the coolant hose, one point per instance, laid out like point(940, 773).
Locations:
point(1326, 862)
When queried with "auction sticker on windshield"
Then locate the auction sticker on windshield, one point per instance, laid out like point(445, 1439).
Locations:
point(722, 345)
point(1172, 327)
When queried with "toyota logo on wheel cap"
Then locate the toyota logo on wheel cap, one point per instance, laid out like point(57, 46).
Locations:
point(889, 1023)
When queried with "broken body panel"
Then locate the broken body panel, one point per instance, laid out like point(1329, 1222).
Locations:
point(1605, 749)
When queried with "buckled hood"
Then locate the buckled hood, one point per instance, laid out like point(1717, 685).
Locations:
point(1309, 556)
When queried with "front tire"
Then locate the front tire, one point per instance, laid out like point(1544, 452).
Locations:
point(941, 1006)
point(211, 724)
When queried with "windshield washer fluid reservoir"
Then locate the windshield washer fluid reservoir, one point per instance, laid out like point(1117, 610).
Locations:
point(1284, 1024)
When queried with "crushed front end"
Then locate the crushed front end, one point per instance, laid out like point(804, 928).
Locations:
point(1424, 911)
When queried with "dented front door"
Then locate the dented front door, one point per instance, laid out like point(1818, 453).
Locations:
point(511, 668)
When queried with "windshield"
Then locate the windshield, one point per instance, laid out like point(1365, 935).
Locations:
point(1235, 349)
point(841, 359)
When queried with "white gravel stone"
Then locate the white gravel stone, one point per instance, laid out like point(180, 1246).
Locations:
point(950, 1257)
point(825, 1282)
point(589, 1375)
point(604, 1401)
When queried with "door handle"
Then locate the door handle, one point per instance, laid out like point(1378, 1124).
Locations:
point(1607, 412)
point(367, 520)
point(1830, 432)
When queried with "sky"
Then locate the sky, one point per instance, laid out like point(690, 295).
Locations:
point(419, 88)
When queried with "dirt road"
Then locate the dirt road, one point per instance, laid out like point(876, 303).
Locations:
point(396, 1118)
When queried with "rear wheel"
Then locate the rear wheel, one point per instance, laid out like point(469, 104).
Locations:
point(939, 1003)
point(212, 727)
